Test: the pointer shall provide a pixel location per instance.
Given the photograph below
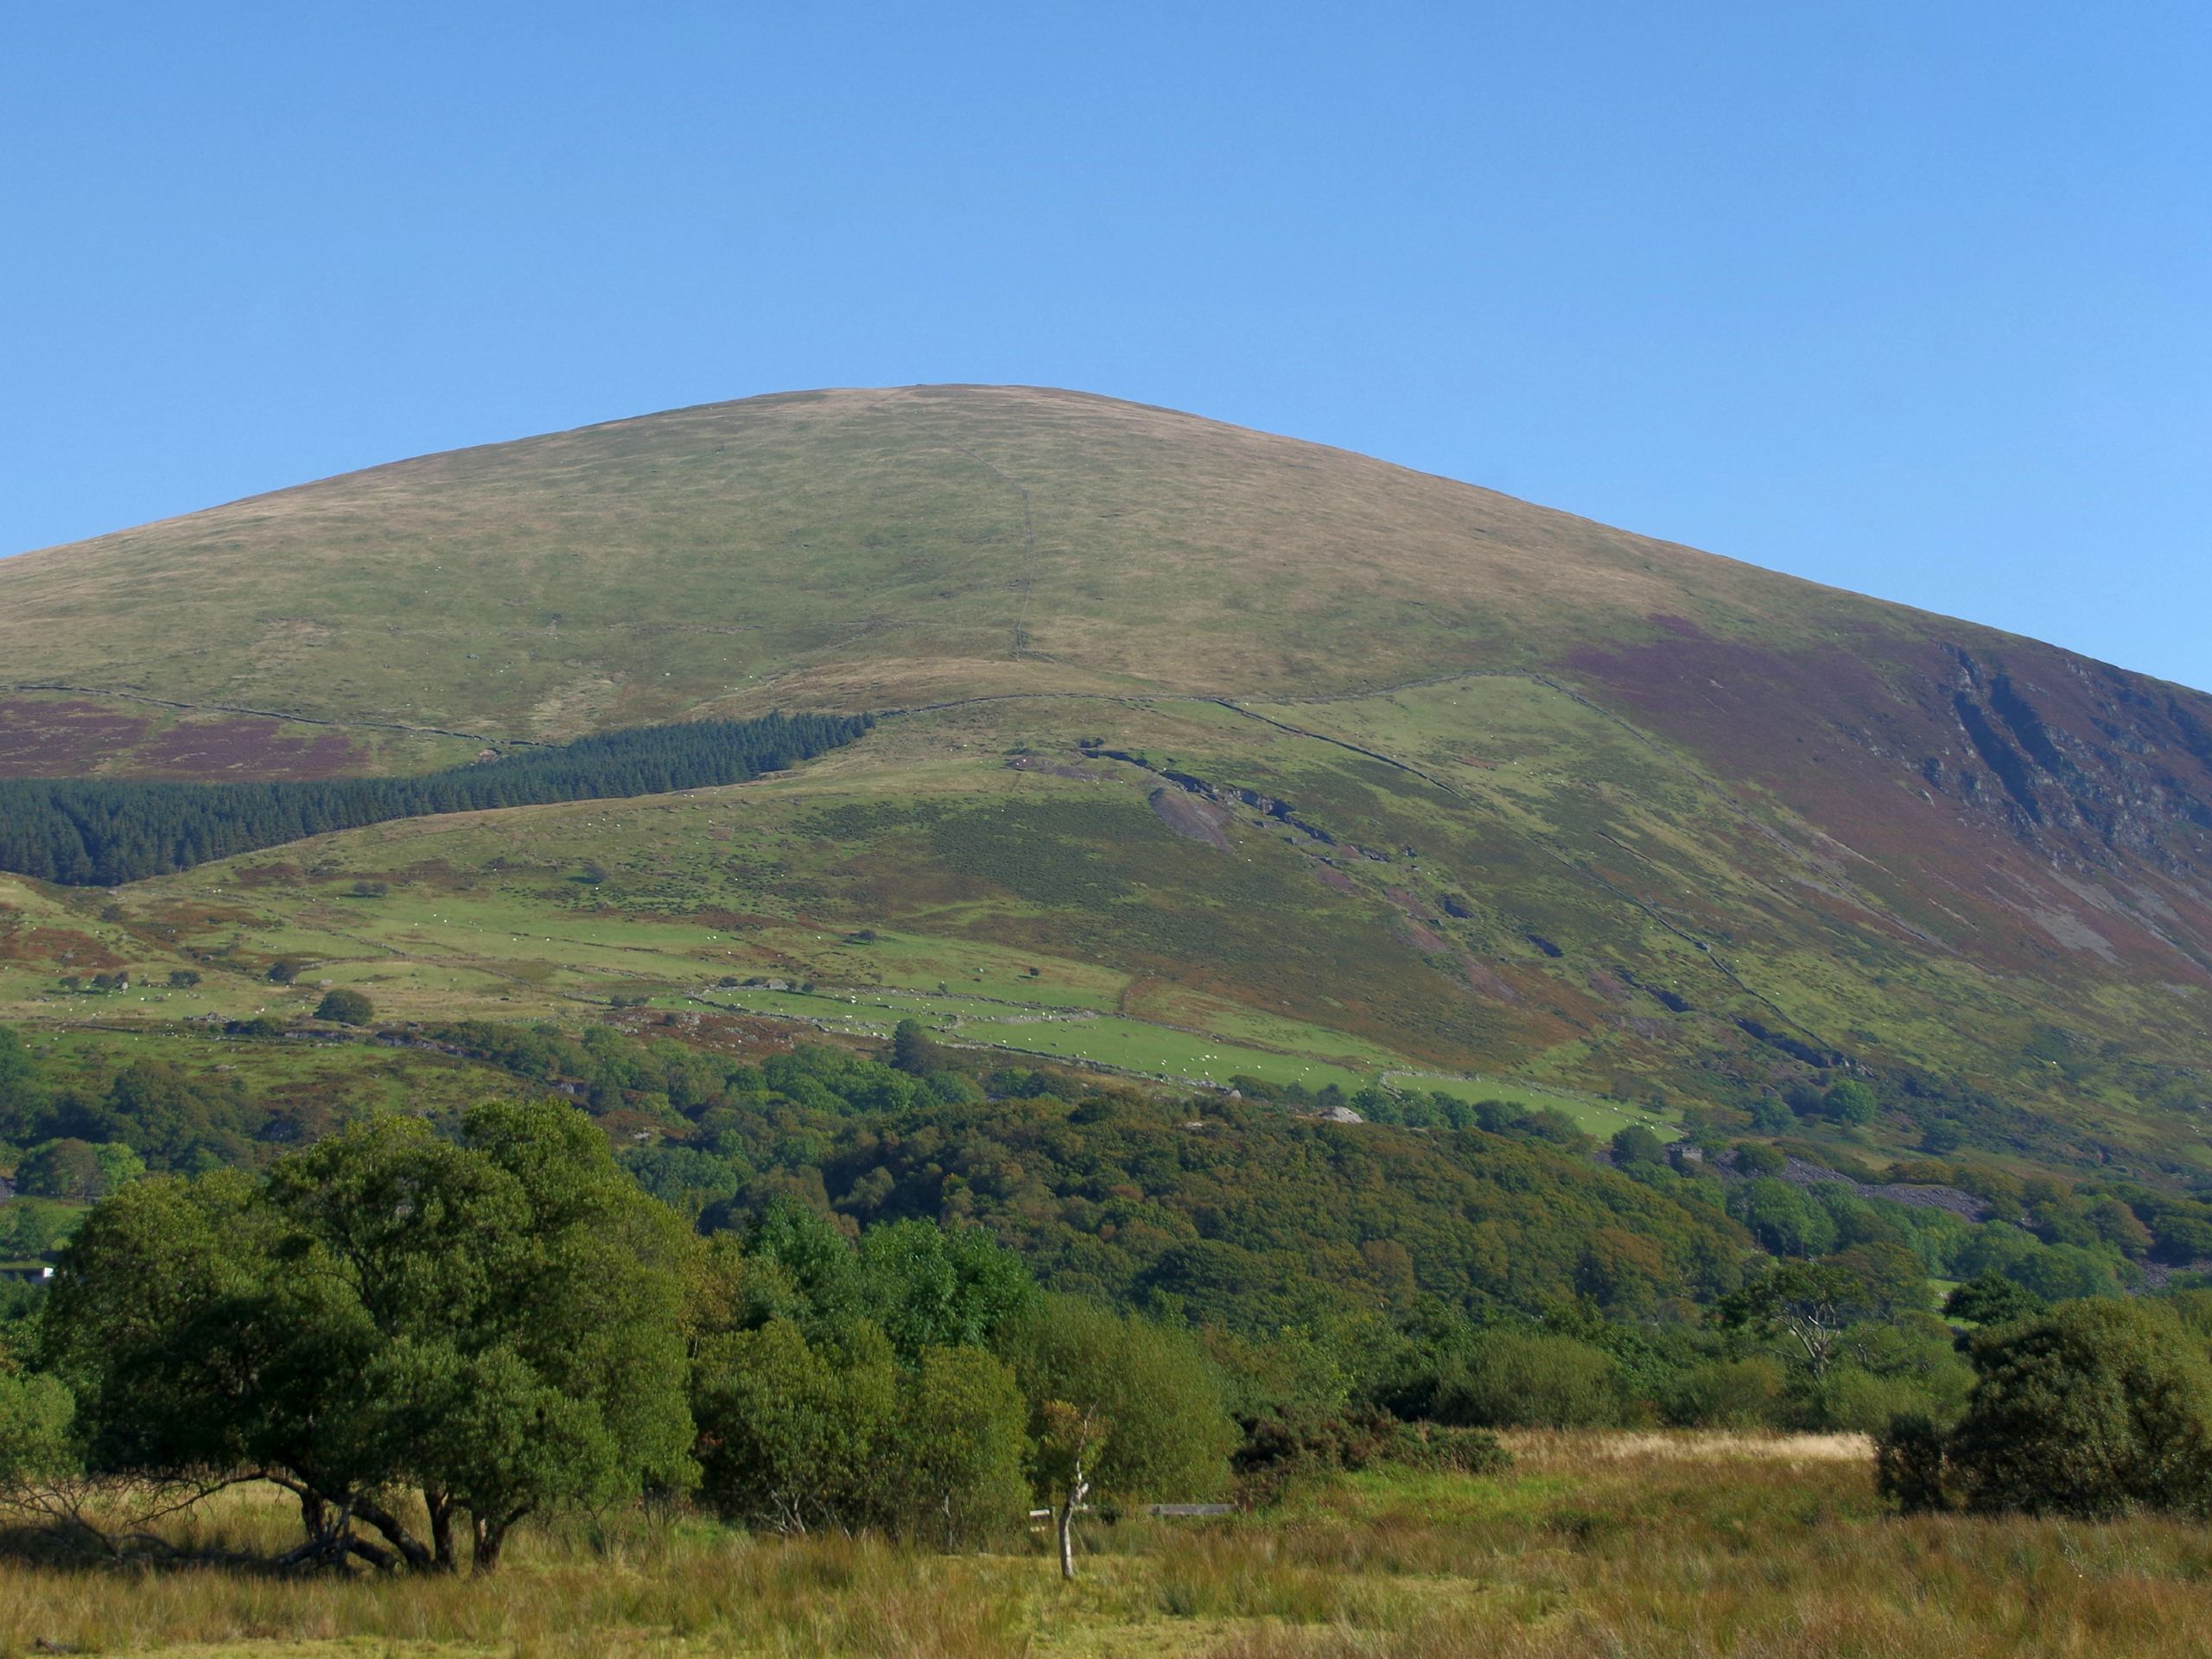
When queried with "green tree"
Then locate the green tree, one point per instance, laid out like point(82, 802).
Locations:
point(1782, 1218)
point(1636, 1145)
point(1852, 1103)
point(958, 1454)
point(1808, 1306)
point(912, 1052)
point(800, 1268)
point(929, 1286)
point(18, 1071)
point(2092, 1409)
point(65, 1168)
point(1120, 1408)
point(36, 1446)
point(497, 1322)
point(1991, 1298)
point(1531, 1379)
point(1748, 1393)
point(345, 1008)
point(793, 1432)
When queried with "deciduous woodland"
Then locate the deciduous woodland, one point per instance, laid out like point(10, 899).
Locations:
point(855, 1306)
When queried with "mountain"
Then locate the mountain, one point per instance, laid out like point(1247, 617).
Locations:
point(1202, 752)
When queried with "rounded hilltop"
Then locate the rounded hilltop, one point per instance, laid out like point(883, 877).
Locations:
point(855, 548)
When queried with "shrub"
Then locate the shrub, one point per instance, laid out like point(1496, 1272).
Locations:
point(1991, 1298)
point(345, 1008)
point(955, 1474)
point(1757, 1157)
point(1857, 1400)
point(1517, 1379)
point(2094, 1409)
point(799, 1435)
point(285, 969)
point(1909, 1465)
point(76, 1169)
point(1850, 1102)
point(1452, 1451)
point(1636, 1145)
point(1731, 1394)
point(1782, 1218)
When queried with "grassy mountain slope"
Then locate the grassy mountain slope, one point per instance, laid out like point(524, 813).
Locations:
point(1222, 753)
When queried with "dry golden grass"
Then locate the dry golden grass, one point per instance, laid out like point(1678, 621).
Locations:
point(1720, 1547)
point(1695, 1445)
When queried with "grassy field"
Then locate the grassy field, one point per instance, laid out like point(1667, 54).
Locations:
point(1636, 1546)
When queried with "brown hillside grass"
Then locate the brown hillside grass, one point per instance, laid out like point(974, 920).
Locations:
point(882, 546)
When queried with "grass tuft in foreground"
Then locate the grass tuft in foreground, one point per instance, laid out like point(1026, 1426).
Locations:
point(1633, 1546)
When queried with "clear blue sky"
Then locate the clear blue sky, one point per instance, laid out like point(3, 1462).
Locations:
point(1912, 298)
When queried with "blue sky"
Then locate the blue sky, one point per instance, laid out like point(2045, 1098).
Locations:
point(1913, 299)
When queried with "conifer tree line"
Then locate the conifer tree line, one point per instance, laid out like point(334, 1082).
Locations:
point(101, 832)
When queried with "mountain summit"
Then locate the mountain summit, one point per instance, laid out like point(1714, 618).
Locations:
point(1255, 728)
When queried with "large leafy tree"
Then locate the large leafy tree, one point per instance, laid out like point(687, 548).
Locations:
point(497, 1322)
point(2093, 1408)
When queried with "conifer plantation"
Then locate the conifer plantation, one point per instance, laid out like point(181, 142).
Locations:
point(97, 832)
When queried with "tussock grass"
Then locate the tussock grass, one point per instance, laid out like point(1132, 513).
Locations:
point(1730, 1546)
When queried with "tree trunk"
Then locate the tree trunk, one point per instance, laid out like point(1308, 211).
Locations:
point(490, 1534)
point(410, 1548)
point(440, 1506)
point(1077, 1488)
point(314, 1513)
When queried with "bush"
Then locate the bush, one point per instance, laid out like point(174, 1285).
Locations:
point(1909, 1465)
point(1636, 1145)
point(800, 1436)
point(1850, 1102)
point(345, 1008)
point(1516, 1379)
point(955, 1474)
point(1451, 1451)
point(285, 969)
point(1782, 1218)
point(1749, 1393)
point(1757, 1157)
point(1857, 1400)
point(1991, 1298)
point(2093, 1409)
point(76, 1169)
